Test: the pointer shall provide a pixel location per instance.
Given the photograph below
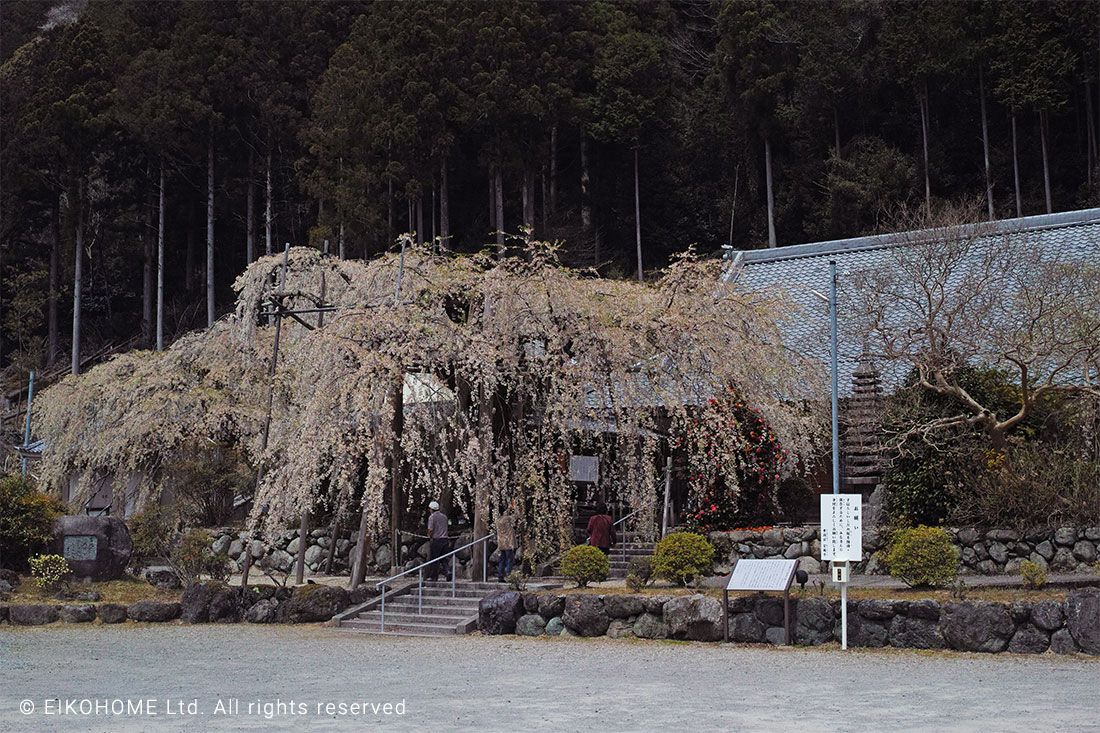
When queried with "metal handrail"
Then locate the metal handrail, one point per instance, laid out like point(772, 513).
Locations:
point(420, 579)
point(622, 545)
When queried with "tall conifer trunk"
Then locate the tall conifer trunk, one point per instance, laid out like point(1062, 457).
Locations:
point(770, 191)
point(637, 216)
point(210, 228)
point(1046, 160)
point(498, 189)
point(55, 287)
point(250, 203)
point(1016, 169)
point(147, 268)
point(985, 145)
point(922, 99)
point(267, 207)
point(444, 205)
point(160, 260)
point(78, 275)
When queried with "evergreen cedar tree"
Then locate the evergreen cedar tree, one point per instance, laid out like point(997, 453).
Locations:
point(182, 140)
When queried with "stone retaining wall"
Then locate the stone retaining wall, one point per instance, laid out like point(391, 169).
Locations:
point(282, 551)
point(984, 552)
point(1026, 627)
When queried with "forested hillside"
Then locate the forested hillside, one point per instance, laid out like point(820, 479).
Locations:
point(202, 135)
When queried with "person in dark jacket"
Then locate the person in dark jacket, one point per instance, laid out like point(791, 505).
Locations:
point(601, 529)
point(440, 543)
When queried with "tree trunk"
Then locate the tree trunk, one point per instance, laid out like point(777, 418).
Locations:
point(389, 211)
point(733, 206)
point(444, 205)
point(771, 193)
point(267, 208)
point(147, 268)
point(359, 562)
point(78, 275)
point(1016, 169)
point(397, 404)
point(554, 170)
point(836, 131)
point(545, 184)
point(492, 204)
point(210, 229)
point(586, 201)
point(160, 260)
point(922, 98)
point(55, 287)
point(1091, 137)
point(303, 533)
point(420, 219)
point(1046, 161)
point(637, 216)
point(985, 145)
point(498, 188)
point(250, 219)
point(343, 252)
point(409, 211)
point(189, 261)
point(482, 487)
point(528, 198)
point(435, 233)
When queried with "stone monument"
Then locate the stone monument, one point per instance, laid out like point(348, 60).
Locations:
point(97, 548)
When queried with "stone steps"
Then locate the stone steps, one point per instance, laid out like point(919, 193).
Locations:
point(432, 611)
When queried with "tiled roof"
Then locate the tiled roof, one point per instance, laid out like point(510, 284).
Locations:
point(799, 270)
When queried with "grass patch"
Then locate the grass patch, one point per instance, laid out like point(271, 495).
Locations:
point(126, 590)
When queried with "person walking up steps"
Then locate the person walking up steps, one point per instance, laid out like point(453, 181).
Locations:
point(601, 529)
point(440, 542)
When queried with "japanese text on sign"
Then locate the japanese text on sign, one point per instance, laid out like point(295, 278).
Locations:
point(842, 527)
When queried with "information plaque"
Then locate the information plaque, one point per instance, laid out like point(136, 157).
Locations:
point(842, 527)
point(80, 547)
point(762, 575)
point(584, 468)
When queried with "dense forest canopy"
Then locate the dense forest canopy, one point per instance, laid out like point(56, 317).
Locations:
point(202, 135)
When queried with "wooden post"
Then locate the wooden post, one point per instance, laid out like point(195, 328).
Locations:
point(397, 394)
point(359, 563)
point(726, 616)
point(303, 530)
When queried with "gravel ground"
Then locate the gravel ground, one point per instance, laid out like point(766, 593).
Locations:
point(509, 683)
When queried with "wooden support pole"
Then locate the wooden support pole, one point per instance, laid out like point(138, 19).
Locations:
point(303, 542)
point(359, 562)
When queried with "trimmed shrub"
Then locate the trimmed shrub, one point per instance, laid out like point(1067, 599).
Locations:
point(26, 520)
point(192, 557)
point(642, 567)
point(49, 571)
point(585, 564)
point(1034, 576)
point(922, 557)
point(151, 531)
point(681, 556)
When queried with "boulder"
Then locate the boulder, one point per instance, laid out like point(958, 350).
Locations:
point(876, 609)
point(111, 613)
point(153, 611)
point(1061, 642)
point(1039, 560)
point(998, 553)
point(1048, 615)
point(312, 603)
point(1092, 533)
point(498, 612)
point(1065, 536)
point(32, 615)
point(551, 605)
point(915, 632)
point(925, 609)
point(776, 636)
point(809, 564)
point(236, 547)
point(649, 626)
point(814, 621)
point(5, 587)
point(382, 556)
point(281, 560)
point(554, 626)
point(96, 547)
point(1063, 560)
point(768, 610)
point(863, 631)
point(1084, 551)
point(772, 538)
point(695, 617)
point(314, 554)
point(292, 548)
point(1045, 549)
point(968, 536)
point(77, 613)
point(10, 577)
point(531, 624)
point(622, 605)
point(746, 627)
point(620, 628)
point(210, 602)
point(263, 611)
point(585, 614)
point(3, 612)
point(222, 544)
point(531, 602)
point(977, 627)
point(1029, 639)
point(362, 594)
point(1002, 535)
point(1020, 611)
point(656, 604)
point(1082, 618)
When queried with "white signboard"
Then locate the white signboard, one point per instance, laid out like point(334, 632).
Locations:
point(842, 527)
point(762, 575)
point(584, 468)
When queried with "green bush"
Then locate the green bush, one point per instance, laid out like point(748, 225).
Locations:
point(681, 556)
point(49, 571)
point(922, 557)
point(1033, 574)
point(152, 531)
point(26, 521)
point(642, 567)
point(585, 564)
point(516, 580)
point(192, 557)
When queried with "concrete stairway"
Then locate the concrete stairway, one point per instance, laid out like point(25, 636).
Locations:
point(630, 546)
point(440, 614)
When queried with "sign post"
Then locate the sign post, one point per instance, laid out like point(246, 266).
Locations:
point(841, 544)
point(775, 575)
